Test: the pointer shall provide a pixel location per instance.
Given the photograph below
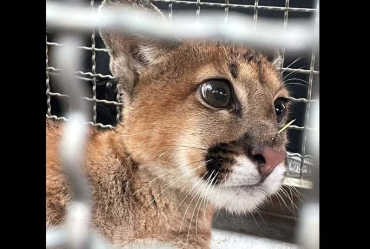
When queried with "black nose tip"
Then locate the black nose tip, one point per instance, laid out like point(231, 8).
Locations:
point(267, 159)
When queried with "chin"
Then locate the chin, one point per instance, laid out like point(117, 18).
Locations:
point(244, 198)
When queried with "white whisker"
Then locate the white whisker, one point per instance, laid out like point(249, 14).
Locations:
point(203, 200)
point(305, 81)
point(294, 70)
point(255, 221)
point(291, 200)
point(165, 174)
point(173, 182)
point(195, 208)
point(261, 217)
point(270, 201)
point(183, 146)
point(190, 204)
point(164, 152)
point(298, 193)
point(219, 190)
point(298, 84)
point(282, 199)
point(277, 197)
point(300, 57)
point(189, 194)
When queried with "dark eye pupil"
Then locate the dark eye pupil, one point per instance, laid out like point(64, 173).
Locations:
point(216, 93)
point(279, 110)
point(220, 94)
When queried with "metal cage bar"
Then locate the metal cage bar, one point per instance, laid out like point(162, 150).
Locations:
point(308, 104)
point(286, 14)
point(93, 65)
point(241, 6)
point(227, 10)
point(48, 98)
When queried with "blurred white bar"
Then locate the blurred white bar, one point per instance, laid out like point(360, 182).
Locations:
point(298, 36)
point(309, 226)
point(55, 237)
point(76, 228)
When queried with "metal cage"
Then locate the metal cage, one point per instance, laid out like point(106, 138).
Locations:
point(102, 102)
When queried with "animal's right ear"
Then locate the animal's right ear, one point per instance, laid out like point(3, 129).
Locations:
point(131, 54)
point(275, 57)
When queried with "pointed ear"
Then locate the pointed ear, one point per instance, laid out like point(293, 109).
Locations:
point(276, 58)
point(131, 54)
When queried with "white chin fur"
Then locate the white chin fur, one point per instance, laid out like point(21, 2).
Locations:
point(236, 196)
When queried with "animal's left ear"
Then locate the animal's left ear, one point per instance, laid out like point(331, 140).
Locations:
point(276, 58)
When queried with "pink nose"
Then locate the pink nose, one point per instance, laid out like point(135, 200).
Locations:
point(268, 159)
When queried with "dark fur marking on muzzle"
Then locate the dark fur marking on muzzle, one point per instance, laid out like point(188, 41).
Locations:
point(219, 159)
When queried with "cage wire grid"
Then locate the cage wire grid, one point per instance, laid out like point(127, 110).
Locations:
point(297, 161)
point(80, 205)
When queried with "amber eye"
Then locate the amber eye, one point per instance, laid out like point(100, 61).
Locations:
point(280, 109)
point(216, 93)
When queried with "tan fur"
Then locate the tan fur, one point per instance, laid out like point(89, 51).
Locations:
point(164, 121)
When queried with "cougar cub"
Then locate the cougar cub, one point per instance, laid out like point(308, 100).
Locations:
point(199, 133)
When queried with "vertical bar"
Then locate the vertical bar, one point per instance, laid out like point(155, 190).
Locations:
point(255, 16)
point(198, 10)
point(72, 147)
point(285, 25)
point(227, 11)
point(286, 14)
point(308, 104)
point(47, 80)
point(170, 13)
point(73, 141)
point(309, 227)
point(93, 67)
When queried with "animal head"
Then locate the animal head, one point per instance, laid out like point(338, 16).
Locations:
point(202, 115)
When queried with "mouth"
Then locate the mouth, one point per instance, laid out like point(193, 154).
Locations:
point(248, 188)
point(236, 195)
